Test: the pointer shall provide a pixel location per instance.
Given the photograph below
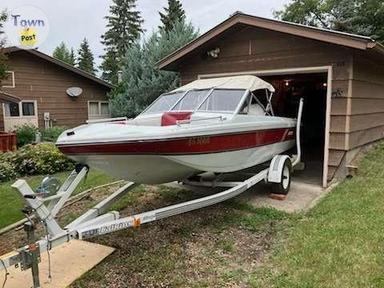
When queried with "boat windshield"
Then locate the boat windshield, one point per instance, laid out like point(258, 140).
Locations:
point(222, 100)
point(191, 100)
point(164, 103)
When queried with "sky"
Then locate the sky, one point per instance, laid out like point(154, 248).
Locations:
point(72, 20)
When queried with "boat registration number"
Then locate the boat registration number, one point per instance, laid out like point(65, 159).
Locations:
point(198, 141)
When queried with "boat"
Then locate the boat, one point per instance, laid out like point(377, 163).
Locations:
point(218, 125)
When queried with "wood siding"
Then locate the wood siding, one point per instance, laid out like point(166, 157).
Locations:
point(45, 82)
point(254, 49)
point(366, 118)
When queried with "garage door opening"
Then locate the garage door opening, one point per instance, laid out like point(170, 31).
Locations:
point(313, 89)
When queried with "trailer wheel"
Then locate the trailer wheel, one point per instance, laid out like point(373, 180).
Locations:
point(285, 183)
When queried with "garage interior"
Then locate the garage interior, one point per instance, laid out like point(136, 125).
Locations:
point(313, 89)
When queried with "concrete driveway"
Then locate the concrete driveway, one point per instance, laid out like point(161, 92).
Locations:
point(302, 196)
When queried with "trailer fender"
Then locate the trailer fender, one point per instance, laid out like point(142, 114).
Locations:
point(276, 168)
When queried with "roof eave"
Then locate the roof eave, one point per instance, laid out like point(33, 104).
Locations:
point(71, 68)
point(163, 63)
point(333, 37)
point(378, 47)
point(6, 97)
point(62, 64)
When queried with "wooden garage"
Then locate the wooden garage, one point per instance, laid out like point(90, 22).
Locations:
point(339, 75)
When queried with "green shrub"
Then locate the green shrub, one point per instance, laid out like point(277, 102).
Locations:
point(7, 171)
point(7, 157)
point(25, 134)
point(43, 158)
point(51, 134)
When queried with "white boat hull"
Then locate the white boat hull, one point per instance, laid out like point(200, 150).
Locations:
point(152, 169)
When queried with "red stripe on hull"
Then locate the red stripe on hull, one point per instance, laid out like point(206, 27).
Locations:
point(190, 145)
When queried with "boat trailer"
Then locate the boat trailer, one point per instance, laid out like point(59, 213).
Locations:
point(98, 220)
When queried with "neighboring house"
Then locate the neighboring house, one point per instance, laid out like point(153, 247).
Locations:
point(340, 76)
point(41, 82)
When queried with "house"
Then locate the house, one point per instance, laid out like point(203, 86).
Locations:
point(52, 92)
point(339, 75)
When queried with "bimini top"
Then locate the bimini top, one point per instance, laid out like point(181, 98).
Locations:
point(249, 82)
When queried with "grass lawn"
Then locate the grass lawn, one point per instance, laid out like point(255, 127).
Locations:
point(340, 243)
point(11, 202)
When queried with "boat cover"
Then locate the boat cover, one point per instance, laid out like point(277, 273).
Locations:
point(249, 82)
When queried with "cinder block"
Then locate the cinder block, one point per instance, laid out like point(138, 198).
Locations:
point(280, 197)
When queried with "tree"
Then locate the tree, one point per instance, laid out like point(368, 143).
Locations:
point(142, 81)
point(364, 17)
point(3, 58)
point(174, 13)
point(85, 59)
point(62, 53)
point(124, 28)
point(72, 57)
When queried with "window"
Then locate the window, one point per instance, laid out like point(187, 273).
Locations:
point(12, 110)
point(222, 100)
point(24, 108)
point(28, 108)
point(98, 110)
point(104, 108)
point(9, 80)
point(94, 108)
point(164, 103)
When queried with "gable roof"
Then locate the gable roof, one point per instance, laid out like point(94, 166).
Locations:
point(324, 35)
point(60, 63)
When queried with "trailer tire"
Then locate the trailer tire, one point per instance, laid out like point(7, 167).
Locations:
point(285, 183)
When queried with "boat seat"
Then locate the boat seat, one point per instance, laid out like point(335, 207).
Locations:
point(171, 118)
point(256, 109)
